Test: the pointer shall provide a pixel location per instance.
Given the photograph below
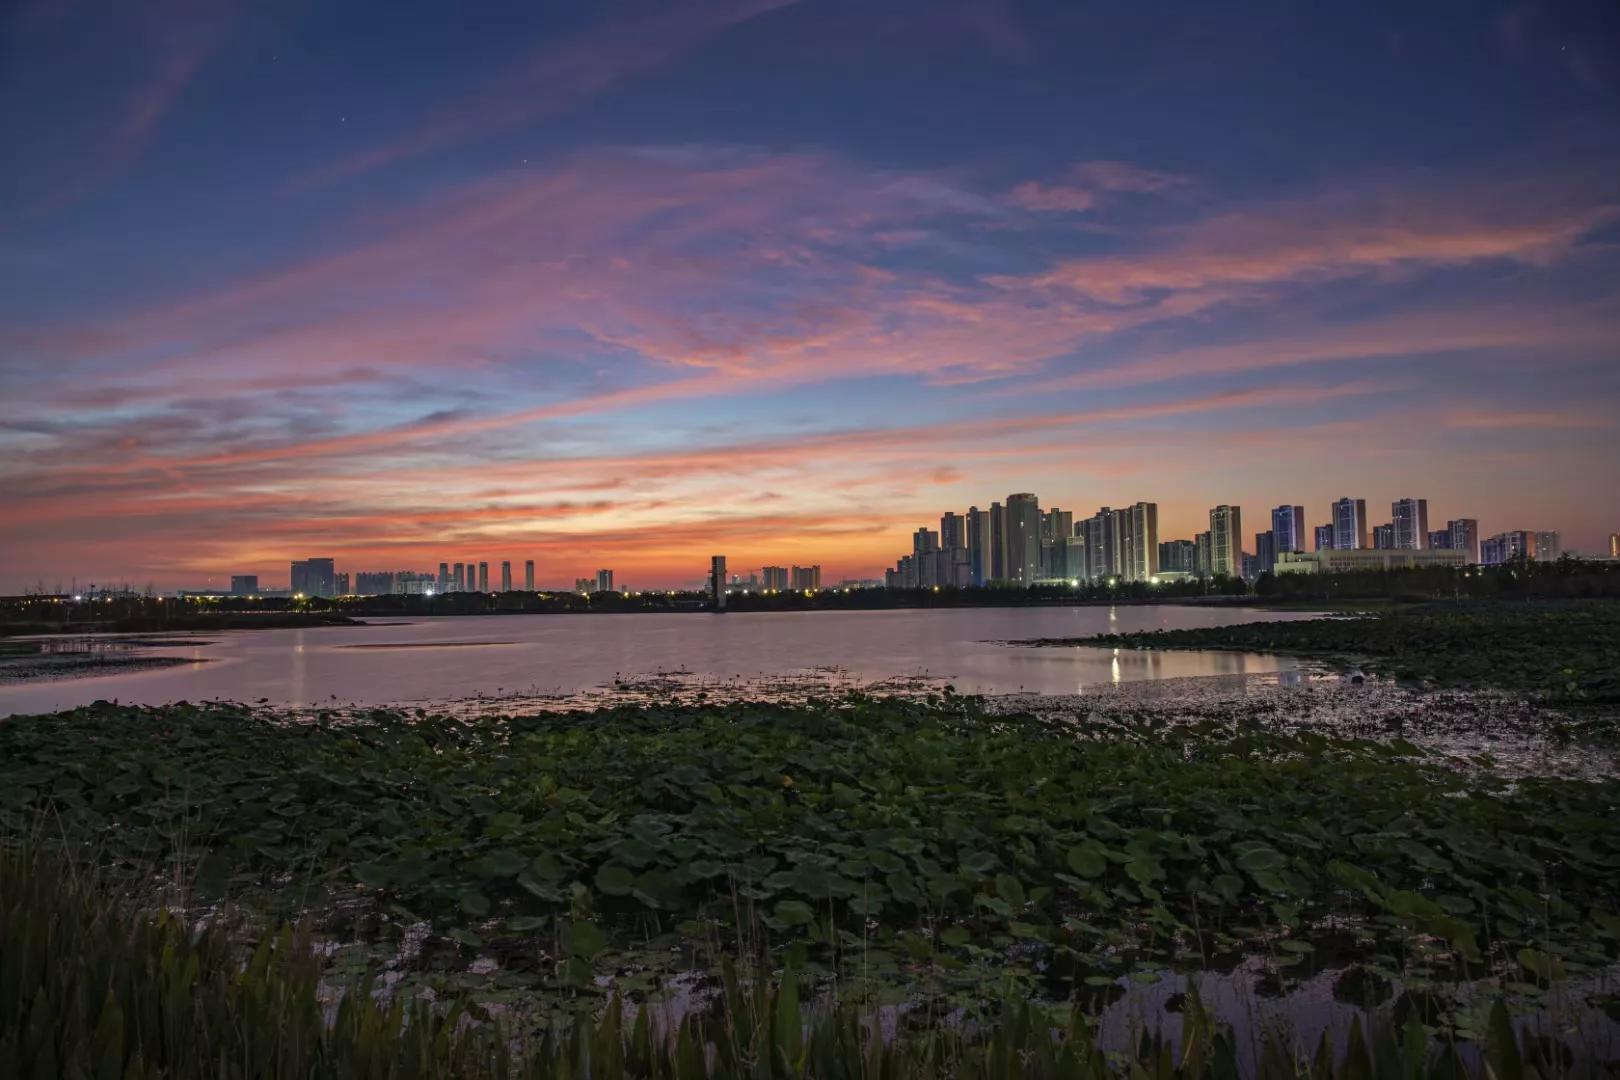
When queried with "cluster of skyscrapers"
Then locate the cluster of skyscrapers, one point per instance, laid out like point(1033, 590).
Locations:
point(1017, 543)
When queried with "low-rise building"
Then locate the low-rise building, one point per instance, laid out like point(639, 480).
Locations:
point(1336, 561)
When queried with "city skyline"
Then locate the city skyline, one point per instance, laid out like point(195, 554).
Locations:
point(624, 285)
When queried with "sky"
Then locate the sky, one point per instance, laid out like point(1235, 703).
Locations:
point(627, 284)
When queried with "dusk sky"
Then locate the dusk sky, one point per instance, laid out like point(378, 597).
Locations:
point(625, 285)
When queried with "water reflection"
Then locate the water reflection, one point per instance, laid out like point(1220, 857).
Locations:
point(566, 654)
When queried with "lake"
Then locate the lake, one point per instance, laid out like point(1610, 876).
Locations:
point(443, 659)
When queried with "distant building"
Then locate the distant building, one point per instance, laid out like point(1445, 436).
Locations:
point(506, 575)
point(978, 546)
point(806, 577)
point(604, 581)
point(998, 542)
point(1203, 555)
point(1383, 537)
point(458, 578)
point(374, 582)
point(1265, 552)
point(1614, 545)
point(1288, 528)
point(1334, 560)
point(717, 582)
point(1519, 544)
point(951, 531)
point(1464, 537)
point(1324, 538)
point(774, 578)
point(244, 584)
point(340, 585)
point(483, 577)
point(1023, 538)
point(1349, 524)
point(1226, 541)
point(1410, 518)
point(1103, 542)
point(1177, 556)
point(1439, 540)
point(1251, 566)
point(313, 577)
point(528, 575)
point(584, 585)
point(1139, 542)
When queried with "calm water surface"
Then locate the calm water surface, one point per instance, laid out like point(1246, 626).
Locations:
point(436, 659)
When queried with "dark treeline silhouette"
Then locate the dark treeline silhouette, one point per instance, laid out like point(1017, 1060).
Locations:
point(1566, 578)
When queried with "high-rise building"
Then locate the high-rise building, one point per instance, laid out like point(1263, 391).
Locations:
point(483, 577)
point(458, 578)
point(978, 546)
point(313, 577)
point(1548, 547)
point(1139, 541)
point(506, 575)
point(1614, 545)
point(1023, 538)
point(1288, 528)
point(924, 541)
point(1226, 541)
point(1410, 517)
point(444, 577)
point(244, 584)
point(1519, 544)
point(604, 581)
point(1464, 537)
point(1265, 552)
point(1383, 537)
point(528, 575)
point(1439, 539)
point(951, 531)
point(998, 542)
point(341, 584)
point(1349, 524)
point(1323, 538)
point(1103, 543)
point(717, 581)
point(774, 578)
point(806, 578)
point(1177, 556)
point(1203, 554)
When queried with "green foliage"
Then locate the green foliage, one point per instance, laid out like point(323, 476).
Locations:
point(1568, 651)
point(91, 988)
point(944, 849)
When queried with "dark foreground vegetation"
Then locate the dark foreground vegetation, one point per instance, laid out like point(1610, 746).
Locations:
point(1568, 651)
point(94, 986)
point(881, 851)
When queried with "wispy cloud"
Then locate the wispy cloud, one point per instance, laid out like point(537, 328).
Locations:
point(554, 78)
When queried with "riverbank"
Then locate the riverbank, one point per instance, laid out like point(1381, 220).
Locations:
point(1566, 651)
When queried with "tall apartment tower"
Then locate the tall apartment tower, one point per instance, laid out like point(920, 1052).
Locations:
point(1350, 524)
point(604, 581)
point(528, 575)
point(951, 531)
point(978, 546)
point(1226, 541)
point(998, 542)
point(1324, 537)
point(1465, 537)
point(1411, 520)
point(483, 577)
point(1139, 541)
point(444, 577)
point(1288, 528)
point(458, 578)
point(717, 582)
point(506, 575)
point(1023, 538)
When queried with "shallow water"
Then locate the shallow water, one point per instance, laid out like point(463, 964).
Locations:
point(440, 659)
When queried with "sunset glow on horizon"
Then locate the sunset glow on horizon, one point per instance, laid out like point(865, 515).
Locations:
point(627, 285)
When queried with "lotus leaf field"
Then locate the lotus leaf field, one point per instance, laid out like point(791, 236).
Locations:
point(902, 848)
